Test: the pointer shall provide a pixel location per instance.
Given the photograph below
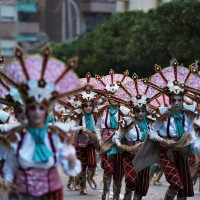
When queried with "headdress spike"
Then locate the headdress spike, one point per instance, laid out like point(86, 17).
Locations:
point(46, 55)
point(111, 72)
point(88, 77)
point(135, 80)
point(19, 55)
point(71, 65)
point(159, 70)
point(123, 88)
point(126, 73)
point(98, 78)
point(175, 66)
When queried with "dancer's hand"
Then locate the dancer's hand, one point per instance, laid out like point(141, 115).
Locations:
point(84, 129)
point(8, 186)
point(168, 142)
point(100, 142)
point(187, 134)
point(123, 147)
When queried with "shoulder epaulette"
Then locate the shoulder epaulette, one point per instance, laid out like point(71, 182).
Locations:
point(11, 135)
point(163, 116)
point(61, 133)
point(76, 117)
point(101, 111)
point(190, 114)
point(150, 120)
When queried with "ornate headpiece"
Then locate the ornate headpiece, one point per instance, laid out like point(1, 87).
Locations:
point(88, 95)
point(8, 95)
point(170, 80)
point(193, 84)
point(41, 80)
point(71, 102)
point(108, 84)
point(137, 94)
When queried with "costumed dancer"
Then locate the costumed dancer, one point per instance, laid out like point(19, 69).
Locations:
point(39, 148)
point(107, 124)
point(173, 131)
point(11, 101)
point(131, 134)
point(85, 140)
point(65, 113)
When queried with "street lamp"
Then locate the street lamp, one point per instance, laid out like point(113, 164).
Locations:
point(70, 4)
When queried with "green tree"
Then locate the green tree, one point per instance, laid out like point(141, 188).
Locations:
point(137, 40)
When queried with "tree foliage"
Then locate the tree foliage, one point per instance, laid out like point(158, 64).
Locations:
point(137, 40)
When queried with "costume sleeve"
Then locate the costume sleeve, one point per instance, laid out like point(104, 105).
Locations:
point(119, 135)
point(75, 126)
point(153, 133)
point(4, 128)
point(10, 164)
point(62, 151)
point(98, 129)
point(195, 142)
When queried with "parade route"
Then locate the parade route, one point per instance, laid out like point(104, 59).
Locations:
point(154, 193)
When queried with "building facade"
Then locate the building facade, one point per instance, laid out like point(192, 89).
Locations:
point(72, 18)
point(18, 23)
point(145, 5)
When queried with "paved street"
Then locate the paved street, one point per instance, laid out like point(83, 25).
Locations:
point(155, 192)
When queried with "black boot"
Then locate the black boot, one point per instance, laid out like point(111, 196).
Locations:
point(106, 186)
point(90, 178)
point(82, 178)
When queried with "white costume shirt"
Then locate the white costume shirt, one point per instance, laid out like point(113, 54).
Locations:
point(131, 135)
point(26, 152)
point(100, 125)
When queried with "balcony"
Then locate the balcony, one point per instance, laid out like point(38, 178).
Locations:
point(11, 29)
point(98, 6)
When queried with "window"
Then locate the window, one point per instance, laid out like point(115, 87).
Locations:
point(25, 37)
point(7, 47)
point(8, 13)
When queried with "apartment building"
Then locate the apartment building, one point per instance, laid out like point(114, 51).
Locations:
point(145, 5)
point(72, 18)
point(18, 24)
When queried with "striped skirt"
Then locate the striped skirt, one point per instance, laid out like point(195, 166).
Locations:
point(138, 182)
point(87, 156)
point(177, 173)
point(113, 166)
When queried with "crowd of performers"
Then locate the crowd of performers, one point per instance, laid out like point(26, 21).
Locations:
point(49, 118)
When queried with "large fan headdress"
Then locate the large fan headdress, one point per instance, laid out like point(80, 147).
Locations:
point(169, 81)
point(137, 94)
point(193, 84)
point(41, 79)
point(108, 84)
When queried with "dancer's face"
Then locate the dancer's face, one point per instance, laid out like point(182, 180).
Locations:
point(140, 114)
point(37, 115)
point(177, 103)
point(113, 102)
point(88, 108)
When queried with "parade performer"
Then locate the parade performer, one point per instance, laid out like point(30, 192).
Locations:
point(131, 134)
point(64, 112)
point(107, 123)
point(85, 140)
point(173, 130)
point(39, 148)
